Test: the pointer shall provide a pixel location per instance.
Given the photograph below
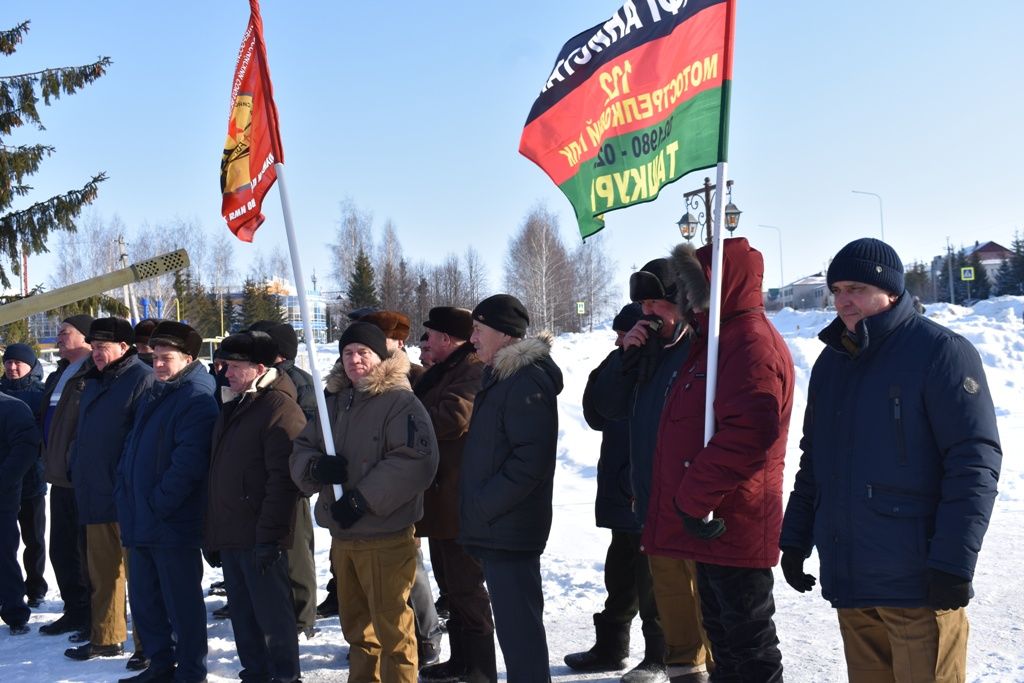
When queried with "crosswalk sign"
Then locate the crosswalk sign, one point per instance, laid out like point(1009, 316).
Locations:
point(967, 274)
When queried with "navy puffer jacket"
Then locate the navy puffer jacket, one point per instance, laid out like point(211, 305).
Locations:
point(29, 389)
point(105, 416)
point(162, 477)
point(900, 459)
point(508, 464)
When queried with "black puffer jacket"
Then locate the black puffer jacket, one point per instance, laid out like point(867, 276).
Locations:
point(508, 464)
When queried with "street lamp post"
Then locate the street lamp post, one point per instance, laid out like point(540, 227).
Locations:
point(782, 277)
point(700, 201)
point(881, 219)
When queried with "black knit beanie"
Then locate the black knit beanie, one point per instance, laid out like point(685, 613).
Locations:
point(870, 261)
point(366, 334)
point(504, 313)
point(80, 322)
point(627, 318)
point(283, 335)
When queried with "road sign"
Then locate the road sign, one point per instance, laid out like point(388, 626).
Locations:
point(967, 274)
point(580, 307)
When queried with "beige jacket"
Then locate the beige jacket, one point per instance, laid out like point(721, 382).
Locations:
point(384, 432)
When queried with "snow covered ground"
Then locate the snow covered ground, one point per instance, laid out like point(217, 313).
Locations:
point(572, 565)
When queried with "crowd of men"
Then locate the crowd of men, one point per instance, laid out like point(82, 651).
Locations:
point(157, 463)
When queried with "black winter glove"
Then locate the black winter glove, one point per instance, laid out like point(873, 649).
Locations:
point(212, 557)
point(948, 591)
point(330, 469)
point(793, 569)
point(701, 529)
point(350, 509)
point(266, 555)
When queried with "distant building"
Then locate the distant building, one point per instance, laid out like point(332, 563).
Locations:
point(291, 309)
point(807, 292)
point(992, 255)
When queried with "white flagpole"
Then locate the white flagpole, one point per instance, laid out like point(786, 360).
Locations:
point(307, 326)
point(715, 310)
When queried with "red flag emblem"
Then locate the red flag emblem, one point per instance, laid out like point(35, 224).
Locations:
point(253, 144)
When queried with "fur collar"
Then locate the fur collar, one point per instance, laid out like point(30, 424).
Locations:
point(391, 373)
point(516, 356)
point(693, 287)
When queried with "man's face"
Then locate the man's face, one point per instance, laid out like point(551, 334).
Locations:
point(168, 362)
point(857, 300)
point(16, 369)
point(106, 352)
point(441, 346)
point(241, 374)
point(488, 341)
point(70, 342)
point(358, 360)
point(664, 309)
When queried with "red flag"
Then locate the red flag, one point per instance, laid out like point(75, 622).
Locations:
point(253, 145)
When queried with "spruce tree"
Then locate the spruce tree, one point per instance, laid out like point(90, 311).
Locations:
point(258, 303)
point(361, 291)
point(27, 229)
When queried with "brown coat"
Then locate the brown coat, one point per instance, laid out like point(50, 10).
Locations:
point(447, 391)
point(384, 432)
point(252, 497)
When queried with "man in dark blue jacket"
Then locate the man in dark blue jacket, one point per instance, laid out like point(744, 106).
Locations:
point(632, 386)
point(507, 477)
point(898, 472)
point(105, 416)
point(23, 379)
point(161, 495)
point(627, 575)
point(19, 447)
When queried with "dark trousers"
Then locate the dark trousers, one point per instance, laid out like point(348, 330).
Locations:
point(518, 602)
point(13, 609)
point(737, 606)
point(468, 602)
point(301, 570)
point(32, 519)
point(165, 589)
point(262, 617)
point(421, 599)
point(67, 554)
point(627, 578)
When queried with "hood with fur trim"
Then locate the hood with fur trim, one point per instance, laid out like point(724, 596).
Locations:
point(390, 373)
point(516, 356)
point(743, 268)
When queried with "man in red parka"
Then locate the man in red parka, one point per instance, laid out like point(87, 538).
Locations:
point(737, 476)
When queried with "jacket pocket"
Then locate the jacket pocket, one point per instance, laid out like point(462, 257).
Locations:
point(896, 408)
point(909, 512)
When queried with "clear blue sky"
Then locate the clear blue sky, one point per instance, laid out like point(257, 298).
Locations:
point(414, 111)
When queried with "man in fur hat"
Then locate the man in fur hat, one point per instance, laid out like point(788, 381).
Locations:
point(251, 505)
point(507, 478)
point(161, 497)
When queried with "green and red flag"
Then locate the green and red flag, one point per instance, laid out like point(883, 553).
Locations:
point(634, 104)
point(253, 145)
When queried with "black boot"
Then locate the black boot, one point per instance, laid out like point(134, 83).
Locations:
point(610, 652)
point(652, 668)
point(452, 670)
point(480, 664)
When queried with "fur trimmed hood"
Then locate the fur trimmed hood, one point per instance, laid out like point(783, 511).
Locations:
point(743, 268)
point(391, 373)
point(515, 357)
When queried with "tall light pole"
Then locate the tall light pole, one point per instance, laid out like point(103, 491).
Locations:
point(782, 277)
point(881, 219)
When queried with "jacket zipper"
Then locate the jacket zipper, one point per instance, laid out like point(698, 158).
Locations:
point(897, 416)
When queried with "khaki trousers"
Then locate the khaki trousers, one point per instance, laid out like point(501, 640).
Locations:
point(375, 577)
point(108, 572)
point(904, 645)
point(675, 593)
